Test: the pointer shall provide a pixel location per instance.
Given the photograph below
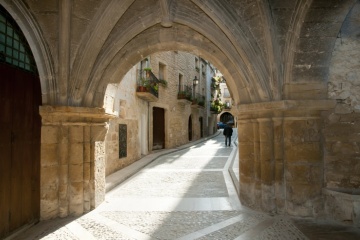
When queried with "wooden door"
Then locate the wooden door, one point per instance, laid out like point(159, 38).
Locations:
point(158, 128)
point(201, 127)
point(20, 125)
point(190, 128)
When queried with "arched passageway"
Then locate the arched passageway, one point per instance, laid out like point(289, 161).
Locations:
point(276, 67)
point(227, 118)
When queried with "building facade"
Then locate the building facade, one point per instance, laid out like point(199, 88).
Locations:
point(164, 121)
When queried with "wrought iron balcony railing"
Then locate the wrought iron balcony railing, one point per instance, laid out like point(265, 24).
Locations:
point(185, 92)
point(148, 86)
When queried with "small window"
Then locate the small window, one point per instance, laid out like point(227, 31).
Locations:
point(162, 71)
point(181, 82)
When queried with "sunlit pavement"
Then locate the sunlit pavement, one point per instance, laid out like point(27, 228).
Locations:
point(186, 194)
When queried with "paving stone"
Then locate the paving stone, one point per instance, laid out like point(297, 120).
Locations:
point(169, 225)
point(175, 184)
point(283, 229)
point(101, 231)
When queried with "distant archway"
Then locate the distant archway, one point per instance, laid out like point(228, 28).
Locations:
point(227, 118)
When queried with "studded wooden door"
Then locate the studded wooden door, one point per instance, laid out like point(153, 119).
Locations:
point(20, 97)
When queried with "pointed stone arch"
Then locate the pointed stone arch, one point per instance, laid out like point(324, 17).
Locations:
point(237, 56)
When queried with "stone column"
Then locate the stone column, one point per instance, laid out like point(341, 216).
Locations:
point(279, 165)
point(248, 190)
point(256, 163)
point(267, 164)
point(280, 153)
point(72, 160)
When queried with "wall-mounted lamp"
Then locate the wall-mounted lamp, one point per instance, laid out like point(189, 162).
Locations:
point(195, 81)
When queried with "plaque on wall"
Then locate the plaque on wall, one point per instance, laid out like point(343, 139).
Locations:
point(122, 140)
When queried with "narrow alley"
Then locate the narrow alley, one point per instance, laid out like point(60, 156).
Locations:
point(187, 193)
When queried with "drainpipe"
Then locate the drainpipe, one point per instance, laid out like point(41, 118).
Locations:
point(148, 131)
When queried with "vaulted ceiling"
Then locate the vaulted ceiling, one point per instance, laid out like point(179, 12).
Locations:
point(267, 50)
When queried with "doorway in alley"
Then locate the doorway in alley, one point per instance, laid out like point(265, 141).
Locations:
point(158, 128)
point(190, 128)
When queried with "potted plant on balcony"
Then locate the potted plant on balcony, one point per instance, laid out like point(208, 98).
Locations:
point(163, 82)
point(144, 85)
point(181, 95)
point(201, 101)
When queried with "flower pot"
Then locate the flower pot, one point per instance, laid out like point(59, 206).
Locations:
point(142, 89)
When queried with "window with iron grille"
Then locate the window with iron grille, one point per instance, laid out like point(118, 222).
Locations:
point(14, 48)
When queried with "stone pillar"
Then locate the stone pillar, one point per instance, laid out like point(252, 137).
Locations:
point(280, 153)
point(256, 163)
point(72, 160)
point(267, 164)
point(246, 145)
point(279, 165)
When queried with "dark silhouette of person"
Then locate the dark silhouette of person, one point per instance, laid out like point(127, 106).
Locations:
point(227, 133)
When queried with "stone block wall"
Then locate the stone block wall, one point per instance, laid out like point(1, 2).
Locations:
point(342, 129)
point(341, 133)
point(303, 165)
point(113, 162)
point(344, 76)
point(342, 151)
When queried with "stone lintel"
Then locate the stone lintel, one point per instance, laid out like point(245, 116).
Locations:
point(67, 115)
point(276, 107)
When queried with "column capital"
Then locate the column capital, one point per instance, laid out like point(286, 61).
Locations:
point(66, 115)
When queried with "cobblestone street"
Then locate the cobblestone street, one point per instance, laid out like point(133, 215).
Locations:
point(187, 193)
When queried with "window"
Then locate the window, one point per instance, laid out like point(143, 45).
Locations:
point(14, 48)
point(144, 64)
point(162, 71)
point(197, 64)
point(181, 83)
point(226, 93)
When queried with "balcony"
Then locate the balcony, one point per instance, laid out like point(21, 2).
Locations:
point(199, 100)
point(185, 95)
point(148, 86)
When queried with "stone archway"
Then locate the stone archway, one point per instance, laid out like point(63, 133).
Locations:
point(276, 66)
point(227, 117)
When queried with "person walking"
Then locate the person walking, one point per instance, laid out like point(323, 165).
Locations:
point(227, 133)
